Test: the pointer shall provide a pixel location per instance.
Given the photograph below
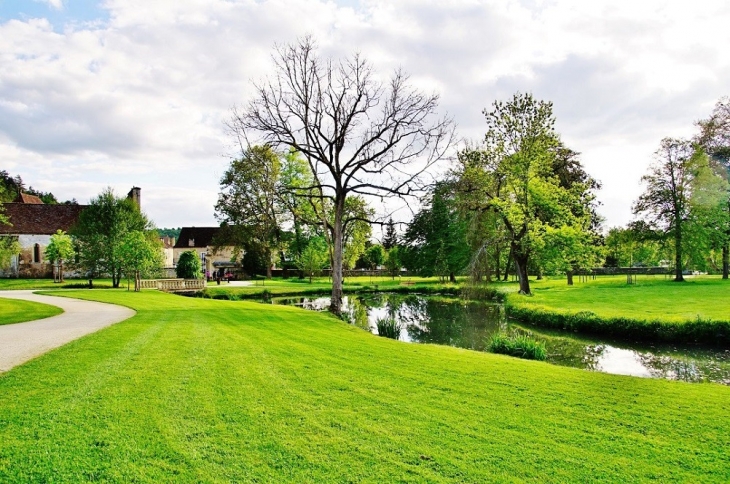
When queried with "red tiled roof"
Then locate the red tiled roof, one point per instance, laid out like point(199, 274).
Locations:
point(41, 219)
point(26, 198)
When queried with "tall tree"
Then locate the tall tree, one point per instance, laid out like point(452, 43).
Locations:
point(714, 137)
point(359, 136)
point(665, 201)
point(436, 239)
point(141, 253)
point(390, 239)
point(249, 198)
point(514, 175)
point(60, 250)
point(101, 229)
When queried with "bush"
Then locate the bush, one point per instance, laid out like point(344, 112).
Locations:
point(519, 345)
point(388, 328)
point(188, 266)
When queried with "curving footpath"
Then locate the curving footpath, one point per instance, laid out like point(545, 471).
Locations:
point(21, 342)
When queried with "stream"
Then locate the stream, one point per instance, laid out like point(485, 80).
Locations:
point(468, 324)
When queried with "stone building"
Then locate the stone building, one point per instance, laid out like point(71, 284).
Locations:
point(201, 240)
point(33, 223)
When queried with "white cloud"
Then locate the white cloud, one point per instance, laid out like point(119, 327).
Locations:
point(54, 4)
point(141, 99)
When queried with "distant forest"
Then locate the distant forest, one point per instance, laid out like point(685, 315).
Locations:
point(11, 186)
point(173, 232)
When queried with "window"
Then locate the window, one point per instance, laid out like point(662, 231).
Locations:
point(191, 242)
point(36, 253)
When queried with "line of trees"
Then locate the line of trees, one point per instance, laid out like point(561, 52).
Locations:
point(323, 136)
point(683, 215)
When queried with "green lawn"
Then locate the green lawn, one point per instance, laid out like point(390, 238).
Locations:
point(196, 390)
point(652, 297)
point(323, 285)
point(12, 284)
point(17, 311)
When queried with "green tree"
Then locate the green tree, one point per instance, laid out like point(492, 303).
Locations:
point(436, 237)
point(516, 174)
point(249, 198)
point(101, 229)
point(665, 203)
point(356, 230)
point(714, 138)
point(390, 239)
point(375, 256)
point(358, 134)
point(141, 253)
point(9, 247)
point(393, 261)
point(313, 257)
point(188, 266)
point(60, 250)
point(568, 248)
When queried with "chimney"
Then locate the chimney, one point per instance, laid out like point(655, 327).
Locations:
point(135, 194)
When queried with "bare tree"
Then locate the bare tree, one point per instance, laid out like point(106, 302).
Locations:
point(359, 136)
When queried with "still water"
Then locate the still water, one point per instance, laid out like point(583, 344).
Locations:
point(453, 322)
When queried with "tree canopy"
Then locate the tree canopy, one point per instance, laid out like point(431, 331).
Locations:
point(101, 230)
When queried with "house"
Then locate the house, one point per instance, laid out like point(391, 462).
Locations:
point(33, 223)
point(201, 241)
point(168, 257)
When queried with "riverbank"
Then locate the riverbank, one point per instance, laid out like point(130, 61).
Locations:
point(653, 309)
point(194, 390)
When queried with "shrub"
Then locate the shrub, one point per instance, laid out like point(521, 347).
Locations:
point(388, 328)
point(519, 345)
point(188, 266)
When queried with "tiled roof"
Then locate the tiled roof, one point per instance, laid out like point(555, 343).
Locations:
point(26, 198)
point(40, 219)
point(201, 237)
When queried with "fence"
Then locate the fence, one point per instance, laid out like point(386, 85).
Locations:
point(173, 284)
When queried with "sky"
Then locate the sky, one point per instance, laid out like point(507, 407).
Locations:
point(126, 93)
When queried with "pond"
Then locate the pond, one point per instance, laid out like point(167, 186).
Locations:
point(453, 322)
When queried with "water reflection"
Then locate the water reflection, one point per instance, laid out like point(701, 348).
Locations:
point(453, 322)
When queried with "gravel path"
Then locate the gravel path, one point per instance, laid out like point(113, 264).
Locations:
point(21, 342)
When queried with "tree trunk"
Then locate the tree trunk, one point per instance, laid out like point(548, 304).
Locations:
point(60, 272)
point(570, 277)
point(520, 257)
point(678, 277)
point(336, 300)
point(452, 277)
point(506, 265)
point(267, 253)
point(725, 260)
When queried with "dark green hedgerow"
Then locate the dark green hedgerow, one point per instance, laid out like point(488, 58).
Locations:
point(700, 330)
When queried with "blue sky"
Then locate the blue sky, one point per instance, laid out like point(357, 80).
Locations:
point(70, 12)
point(137, 92)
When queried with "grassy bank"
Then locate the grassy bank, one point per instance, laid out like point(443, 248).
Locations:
point(196, 390)
point(323, 286)
point(26, 284)
point(654, 309)
point(17, 311)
